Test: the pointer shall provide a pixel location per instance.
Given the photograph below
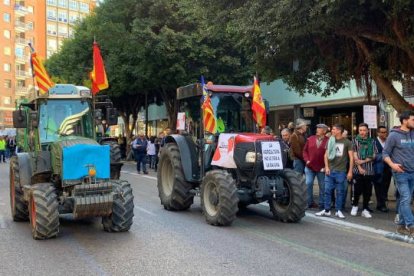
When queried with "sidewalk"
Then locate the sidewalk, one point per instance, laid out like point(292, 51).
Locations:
point(379, 220)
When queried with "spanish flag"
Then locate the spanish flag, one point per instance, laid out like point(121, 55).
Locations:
point(258, 106)
point(209, 120)
point(98, 74)
point(41, 78)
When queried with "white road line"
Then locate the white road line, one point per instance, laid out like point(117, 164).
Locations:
point(333, 221)
point(3, 223)
point(145, 211)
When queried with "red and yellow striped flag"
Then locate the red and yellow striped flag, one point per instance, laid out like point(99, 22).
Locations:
point(258, 106)
point(209, 120)
point(42, 79)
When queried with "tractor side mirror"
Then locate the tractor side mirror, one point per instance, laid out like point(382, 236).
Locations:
point(19, 118)
point(33, 119)
point(98, 114)
point(111, 116)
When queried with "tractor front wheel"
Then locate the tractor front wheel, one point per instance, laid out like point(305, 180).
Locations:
point(174, 192)
point(122, 209)
point(291, 207)
point(43, 210)
point(219, 199)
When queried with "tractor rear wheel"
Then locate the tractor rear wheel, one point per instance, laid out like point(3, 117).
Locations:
point(219, 199)
point(292, 207)
point(174, 192)
point(122, 209)
point(19, 209)
point(43, 210)
point(115, 158)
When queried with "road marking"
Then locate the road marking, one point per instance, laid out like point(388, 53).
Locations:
point(3, 223)
point(145, 211)
point(333, 221)
point(137, 174)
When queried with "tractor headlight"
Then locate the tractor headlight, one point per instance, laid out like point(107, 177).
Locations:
point(250, 157)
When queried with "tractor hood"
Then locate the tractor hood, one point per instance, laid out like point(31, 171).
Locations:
point(71, 157)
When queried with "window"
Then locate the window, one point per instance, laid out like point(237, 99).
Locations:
point(73, 17)
point(52, 44)
point(52, 2)
point(7, 51)
point(6, 67)
point(21, 83)
point(6, 17)
point(7, 83)
point(19, 52)
point(63, 30)
point(73, 5)
point(51, 29)
point(63, 16)
point(29, 25)
point(6, 2)
point(6, 34)
point(63, 3)
point(7, 100)
point(51, 14)
point(84, 7)
point(30, 9)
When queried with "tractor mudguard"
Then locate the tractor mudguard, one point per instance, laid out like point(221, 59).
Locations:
point(188, 154)
point(33, 167)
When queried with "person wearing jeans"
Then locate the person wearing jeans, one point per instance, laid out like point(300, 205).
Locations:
point(398, 153)
point(297, 143)
point(337, 155)
point(140, 152)
point(313, 155)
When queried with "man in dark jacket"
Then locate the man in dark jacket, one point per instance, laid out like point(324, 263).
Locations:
point(297, 143)
point(382, 177)
point(313, 155)
point(140, 152)
point(398, 153)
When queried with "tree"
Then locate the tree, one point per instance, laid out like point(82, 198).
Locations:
point(318, 46)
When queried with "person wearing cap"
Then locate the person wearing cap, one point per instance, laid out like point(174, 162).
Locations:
point(297, 143)
point(313, 155)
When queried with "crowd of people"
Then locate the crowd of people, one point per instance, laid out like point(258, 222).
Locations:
point(358, 165)
point(7, 147)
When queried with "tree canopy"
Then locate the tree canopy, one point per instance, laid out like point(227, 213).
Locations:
point(153, 47)
point(318, 46)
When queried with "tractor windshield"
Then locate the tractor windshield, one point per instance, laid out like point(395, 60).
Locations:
point(64, 117)
point(232, 110)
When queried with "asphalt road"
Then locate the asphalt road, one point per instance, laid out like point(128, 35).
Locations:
point(181, 243)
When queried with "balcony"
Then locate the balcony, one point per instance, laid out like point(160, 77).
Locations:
point(21, 74)
point(20, 40)
point(19, 26)
point(19, 9)
point(21, 91)
point(21, 59)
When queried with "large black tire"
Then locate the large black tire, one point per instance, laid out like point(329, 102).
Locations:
point(115, 149)
point(19, 209)
point(122, 209)
point(174, 192)
point(43, 210)
point(115, 158)
point(219, 199)
point(292, 207)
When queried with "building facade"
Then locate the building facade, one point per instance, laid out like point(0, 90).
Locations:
point(45, 24)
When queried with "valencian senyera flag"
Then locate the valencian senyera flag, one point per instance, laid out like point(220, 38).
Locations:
point(98, 74)
point(258, 106)
point(41, 78)
point(209, 120)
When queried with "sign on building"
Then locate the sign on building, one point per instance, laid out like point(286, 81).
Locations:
point(370, 116)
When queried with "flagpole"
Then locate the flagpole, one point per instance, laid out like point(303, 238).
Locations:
point(33, 73)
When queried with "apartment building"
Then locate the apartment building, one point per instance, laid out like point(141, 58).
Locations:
point(44, 23)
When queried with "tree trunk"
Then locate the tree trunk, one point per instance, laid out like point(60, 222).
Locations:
point(171, 105)
point(390, 93)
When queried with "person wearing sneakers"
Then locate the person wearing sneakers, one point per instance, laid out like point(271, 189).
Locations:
point(398, 153)
point(313, 155)
point(337, 155)
point(363, 171)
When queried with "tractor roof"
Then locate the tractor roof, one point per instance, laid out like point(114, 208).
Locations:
point(195, 89)
point(64, 91)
